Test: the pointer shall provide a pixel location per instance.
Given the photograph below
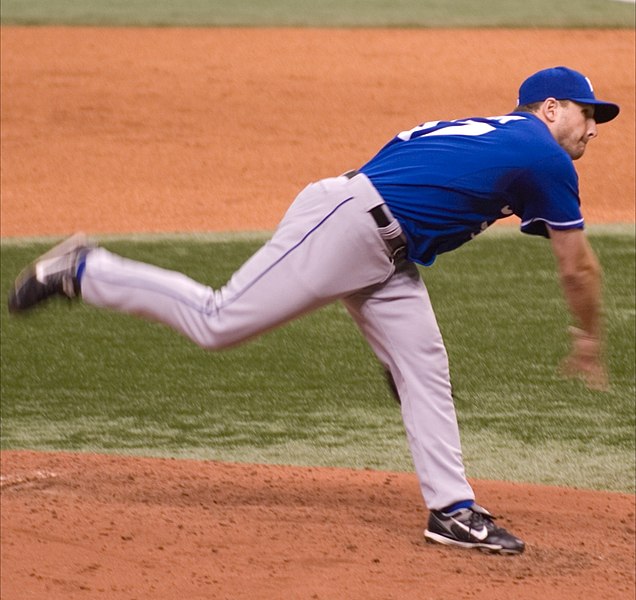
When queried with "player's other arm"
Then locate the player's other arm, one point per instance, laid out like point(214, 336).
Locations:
point(580, 278)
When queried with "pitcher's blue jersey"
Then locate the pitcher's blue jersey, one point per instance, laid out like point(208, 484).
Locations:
point(446, 181)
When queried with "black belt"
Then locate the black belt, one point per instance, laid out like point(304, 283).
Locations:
point(397, 245)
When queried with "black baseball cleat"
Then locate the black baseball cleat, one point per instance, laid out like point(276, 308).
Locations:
point(471, 528)
point(52, 274)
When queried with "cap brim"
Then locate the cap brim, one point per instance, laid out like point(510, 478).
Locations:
point(603, 111)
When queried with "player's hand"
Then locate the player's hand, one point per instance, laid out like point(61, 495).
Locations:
point(585, 360)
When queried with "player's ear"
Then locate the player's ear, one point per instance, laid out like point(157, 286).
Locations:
point(549, 109)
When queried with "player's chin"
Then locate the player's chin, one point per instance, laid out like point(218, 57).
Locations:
point(578, 151)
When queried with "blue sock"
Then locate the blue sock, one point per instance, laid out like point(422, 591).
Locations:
point(458, 505)
point(80, 270)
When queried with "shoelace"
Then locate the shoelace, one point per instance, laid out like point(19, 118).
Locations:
point(477, 521)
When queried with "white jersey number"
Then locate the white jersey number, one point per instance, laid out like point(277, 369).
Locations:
point(467, 127)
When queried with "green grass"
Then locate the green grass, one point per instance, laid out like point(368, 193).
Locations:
point(75, 378)
point(426, 13)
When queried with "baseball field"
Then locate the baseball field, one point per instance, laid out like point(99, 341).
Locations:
point(136, 466)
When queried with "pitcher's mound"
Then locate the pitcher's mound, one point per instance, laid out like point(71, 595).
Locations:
point(91, 526)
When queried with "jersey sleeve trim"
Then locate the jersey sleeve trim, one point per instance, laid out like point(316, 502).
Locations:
point(539, 226)
point(578, 223)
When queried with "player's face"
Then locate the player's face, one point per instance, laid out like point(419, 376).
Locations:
point(575, 127)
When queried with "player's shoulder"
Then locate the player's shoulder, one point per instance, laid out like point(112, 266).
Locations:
point(526, 131)
point(519, 123)
point(513, 128)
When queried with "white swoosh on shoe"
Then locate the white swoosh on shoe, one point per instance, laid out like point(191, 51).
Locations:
point(480, 534)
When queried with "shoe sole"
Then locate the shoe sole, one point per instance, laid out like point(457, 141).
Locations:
point(436, 538)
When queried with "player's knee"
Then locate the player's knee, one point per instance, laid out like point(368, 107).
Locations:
point(215, 341)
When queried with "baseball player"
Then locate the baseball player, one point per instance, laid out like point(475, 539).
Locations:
point(357, 238)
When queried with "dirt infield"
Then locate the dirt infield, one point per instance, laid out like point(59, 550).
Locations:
point(168, 130)
point(127, 130)
point(85, 526)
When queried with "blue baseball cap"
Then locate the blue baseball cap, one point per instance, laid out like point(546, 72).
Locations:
point(562, 83)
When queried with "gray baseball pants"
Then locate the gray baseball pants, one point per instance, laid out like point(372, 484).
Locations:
point(327, 247)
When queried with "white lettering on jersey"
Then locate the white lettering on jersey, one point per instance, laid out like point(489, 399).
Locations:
point(482, 228)
point(506, 119)
point(406, 135)
point(472, 128)
point(468, 127)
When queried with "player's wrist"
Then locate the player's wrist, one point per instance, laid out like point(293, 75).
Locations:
point(585, 345)
point(581, 334)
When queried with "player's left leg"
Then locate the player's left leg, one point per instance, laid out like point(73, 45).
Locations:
point(397, 319)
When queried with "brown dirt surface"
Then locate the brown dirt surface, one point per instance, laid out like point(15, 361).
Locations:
point(111, 130)
point(127, 130)
point(91, 526)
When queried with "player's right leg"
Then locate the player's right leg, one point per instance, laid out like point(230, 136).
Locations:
point(326, 246)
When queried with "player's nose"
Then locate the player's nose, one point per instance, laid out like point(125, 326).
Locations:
point(592, 131)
